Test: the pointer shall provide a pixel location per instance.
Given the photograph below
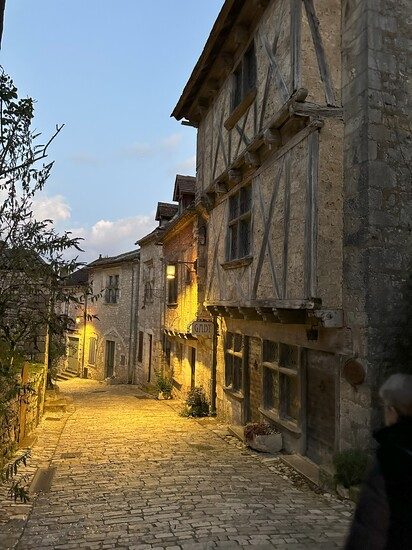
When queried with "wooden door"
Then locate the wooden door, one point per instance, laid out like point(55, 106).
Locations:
point(73, 355)
point(149, 371)
point(321, 404)
point(192, 360)
point(110, 349)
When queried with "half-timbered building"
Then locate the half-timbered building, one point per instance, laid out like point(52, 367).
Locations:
point(273, 153)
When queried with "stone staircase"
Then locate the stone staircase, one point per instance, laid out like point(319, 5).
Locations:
point(66, 375)
point(56, 405)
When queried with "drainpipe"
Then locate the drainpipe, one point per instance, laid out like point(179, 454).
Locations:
point(214, 369)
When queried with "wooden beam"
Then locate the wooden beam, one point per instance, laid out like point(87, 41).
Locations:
point(240, 34)
point(234, 176)
point(313, 110)
point(320, 52)
point(295, 34)
point(252, 159)
point(272, 138)
point(221, 187)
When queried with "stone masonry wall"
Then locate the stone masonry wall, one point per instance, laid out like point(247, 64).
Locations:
point(377, 194)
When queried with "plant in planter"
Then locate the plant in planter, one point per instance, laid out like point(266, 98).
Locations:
point(164, 385)
point(197, 404)
point(261, 437)
point(350, 466)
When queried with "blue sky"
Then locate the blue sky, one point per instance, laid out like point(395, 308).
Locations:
point(112, 72)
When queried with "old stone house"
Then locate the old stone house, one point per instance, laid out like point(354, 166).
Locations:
point(180, 241)
point(151, 298)
point(301, 187)
point(103, 342)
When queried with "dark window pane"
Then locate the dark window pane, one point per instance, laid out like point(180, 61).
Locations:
point(237, 342)
point(270, 351)
point(228, 369)
point(271, 389)
point(229, 340)
point(288, 356)
point(237, 373)
point(233, 240)
point(290, 397)
point(249, 70)
point(234, 206)
point(245, 199)
point(244, 243)
point(237, 90)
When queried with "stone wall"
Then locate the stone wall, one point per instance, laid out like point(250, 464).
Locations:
point(114, 322)
point(150, 312)
point(377, 195)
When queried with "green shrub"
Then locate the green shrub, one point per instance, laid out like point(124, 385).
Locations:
point(164, 384)
point(196, 403)
point(350, 466)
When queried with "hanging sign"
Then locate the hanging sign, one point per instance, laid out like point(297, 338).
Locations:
point(202, 328)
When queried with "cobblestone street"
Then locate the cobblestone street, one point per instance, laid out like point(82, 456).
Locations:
point(131, 473)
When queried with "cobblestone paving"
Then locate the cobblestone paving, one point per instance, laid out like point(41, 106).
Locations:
point(131, 473)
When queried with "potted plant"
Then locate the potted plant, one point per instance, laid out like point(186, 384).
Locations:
point(350, 467)
point(164, 386)
point(261, 437)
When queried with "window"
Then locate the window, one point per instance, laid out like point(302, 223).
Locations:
point(148, 278)
point(92, 350)
point(112, 289)
point(234, 360)
point(238, 239)
point(140, 350)
point(244, 77)
point(172, 288)
point(280, 379)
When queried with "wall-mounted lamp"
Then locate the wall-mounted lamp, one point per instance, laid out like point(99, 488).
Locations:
point(78, 320)
point(171, 268)
point(170, 271)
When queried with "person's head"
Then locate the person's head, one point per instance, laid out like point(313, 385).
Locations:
point(396, 393)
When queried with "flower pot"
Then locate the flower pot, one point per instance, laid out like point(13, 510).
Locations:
point(271, 443)
point(161, 396)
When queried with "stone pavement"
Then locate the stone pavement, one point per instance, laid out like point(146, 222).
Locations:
point(131, 473)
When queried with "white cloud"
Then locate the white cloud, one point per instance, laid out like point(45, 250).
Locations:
point(187, 167)
point(51, 208)
point(171, 142)
point(111, 237)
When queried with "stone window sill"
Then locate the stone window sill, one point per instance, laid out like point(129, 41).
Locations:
point(234, 264)
point(281, 422)
point(235, 394)
point(240, 110)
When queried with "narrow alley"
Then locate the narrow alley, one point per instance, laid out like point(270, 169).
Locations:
point(129, 472)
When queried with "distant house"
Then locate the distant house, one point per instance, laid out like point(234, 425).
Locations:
point(151, 297)
point(103, 341)
point(181, 291)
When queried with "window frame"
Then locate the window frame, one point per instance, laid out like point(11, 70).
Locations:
point(112, 293)
point(238, 217)
point(278, 367)
point(244, 77)
point(234, 349)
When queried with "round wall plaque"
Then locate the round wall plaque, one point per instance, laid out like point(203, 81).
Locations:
point(353, 372)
